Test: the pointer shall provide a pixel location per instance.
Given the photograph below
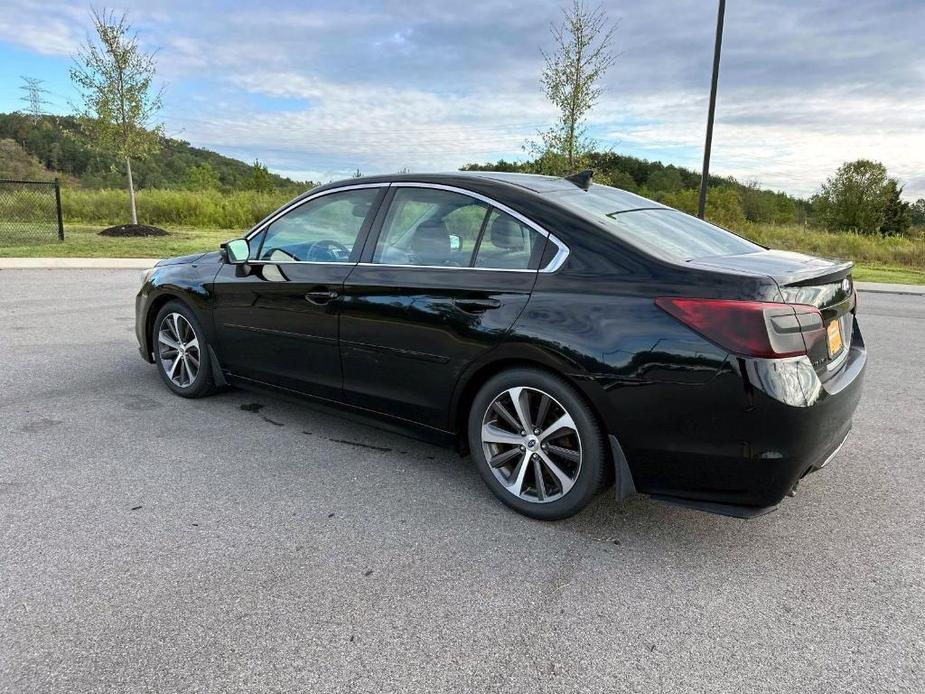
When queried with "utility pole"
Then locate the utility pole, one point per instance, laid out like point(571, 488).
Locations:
point(709, 143)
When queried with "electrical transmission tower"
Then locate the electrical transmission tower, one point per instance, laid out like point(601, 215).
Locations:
point(34, 96)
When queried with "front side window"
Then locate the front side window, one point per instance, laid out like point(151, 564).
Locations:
point(323, 230)
point(430, 227)
point(508, 245)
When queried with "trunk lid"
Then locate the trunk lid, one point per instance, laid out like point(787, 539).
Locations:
point(808, 280)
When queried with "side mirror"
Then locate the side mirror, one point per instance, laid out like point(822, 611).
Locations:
point(455, 242)
point(237, 252)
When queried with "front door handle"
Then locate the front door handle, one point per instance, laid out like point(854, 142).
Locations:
point(476, 305)
point(321, 296)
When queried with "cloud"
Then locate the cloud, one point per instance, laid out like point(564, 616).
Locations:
point(380, 86)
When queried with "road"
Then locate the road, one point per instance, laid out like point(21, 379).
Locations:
point(151, 543)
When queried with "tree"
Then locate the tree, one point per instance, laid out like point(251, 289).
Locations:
point(571, 81)
point(917, 212)
point(202, 177)
point(666, 180)
point(897, 215)
point(261, 181)
point(115, 79)
point(34, 97)
point(854, 197)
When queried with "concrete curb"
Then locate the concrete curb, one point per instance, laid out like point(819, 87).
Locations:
point(76, 263)
point(882, 288)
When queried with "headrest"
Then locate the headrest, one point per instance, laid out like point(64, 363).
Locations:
point(431, 243)
point(507, 234)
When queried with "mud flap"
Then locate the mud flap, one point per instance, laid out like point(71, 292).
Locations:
point(623, 485)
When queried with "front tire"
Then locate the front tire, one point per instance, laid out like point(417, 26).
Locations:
point(537, 444)
point(181, 351)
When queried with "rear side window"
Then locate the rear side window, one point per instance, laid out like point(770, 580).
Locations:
point(430, 227)
point(660, 230)
point(508, 245)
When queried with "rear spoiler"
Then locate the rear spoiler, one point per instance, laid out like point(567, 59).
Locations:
point(812, 277)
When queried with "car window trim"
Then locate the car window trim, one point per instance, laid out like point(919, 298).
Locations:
point(361, 237)
point(552, 266)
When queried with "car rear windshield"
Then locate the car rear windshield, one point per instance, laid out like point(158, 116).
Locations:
point(660, 230)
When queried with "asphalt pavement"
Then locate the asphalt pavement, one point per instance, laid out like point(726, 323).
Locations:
point(151, 543)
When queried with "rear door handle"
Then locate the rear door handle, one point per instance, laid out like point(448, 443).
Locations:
point(476, 305)
point(321, 296)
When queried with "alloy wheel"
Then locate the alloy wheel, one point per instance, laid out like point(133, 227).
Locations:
point(531, 444)
point(178, 349)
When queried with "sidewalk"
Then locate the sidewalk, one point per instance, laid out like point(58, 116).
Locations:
point(143, 263)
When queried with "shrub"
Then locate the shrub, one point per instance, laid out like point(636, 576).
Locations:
point(205, 208)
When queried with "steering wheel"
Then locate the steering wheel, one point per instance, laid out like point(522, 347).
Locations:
point(331, 250)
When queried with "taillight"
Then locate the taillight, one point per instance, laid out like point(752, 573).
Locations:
point(750, 328)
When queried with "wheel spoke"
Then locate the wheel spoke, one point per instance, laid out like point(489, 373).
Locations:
point(176, 328)
point(516, 480)
point(565, 482)
point(542, 411)
point(538, 476)
point(563, 422)
point(505, 415)
point(492, 434)
point(192, 359)
point(567, 453)
point(522, 408)
point(173, 368)
point(165, 339)
point(502, 458)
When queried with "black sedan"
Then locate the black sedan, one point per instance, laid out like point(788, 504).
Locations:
point(567, 335)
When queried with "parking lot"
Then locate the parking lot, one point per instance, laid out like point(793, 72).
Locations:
point(153, 543)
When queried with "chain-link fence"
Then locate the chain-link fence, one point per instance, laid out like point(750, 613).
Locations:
point(30, 212)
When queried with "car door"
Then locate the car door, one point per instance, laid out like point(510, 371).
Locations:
point(276, 318)
point(438, 286)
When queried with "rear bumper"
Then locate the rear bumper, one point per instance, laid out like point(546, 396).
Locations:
point(741, 443)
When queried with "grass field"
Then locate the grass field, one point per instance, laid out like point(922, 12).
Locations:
point(901, 261)
point(84, 242)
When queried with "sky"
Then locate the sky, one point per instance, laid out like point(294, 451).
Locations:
point(319, 89)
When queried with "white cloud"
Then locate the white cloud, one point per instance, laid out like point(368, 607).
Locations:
point(428, 85)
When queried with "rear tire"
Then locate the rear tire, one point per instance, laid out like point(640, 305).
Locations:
point(537, 444)
point(181, 351)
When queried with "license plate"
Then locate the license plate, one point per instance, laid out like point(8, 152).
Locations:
point(834, 332)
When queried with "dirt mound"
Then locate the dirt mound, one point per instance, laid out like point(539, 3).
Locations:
point(124, 230)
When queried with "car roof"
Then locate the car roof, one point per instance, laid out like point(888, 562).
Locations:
point(547, 187)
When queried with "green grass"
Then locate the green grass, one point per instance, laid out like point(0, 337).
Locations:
point(85, 242)
point(890, 275)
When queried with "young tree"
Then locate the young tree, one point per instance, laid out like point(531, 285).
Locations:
point(261, 180)
point(34, 97)
point(115, 79)
point(581, 56)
